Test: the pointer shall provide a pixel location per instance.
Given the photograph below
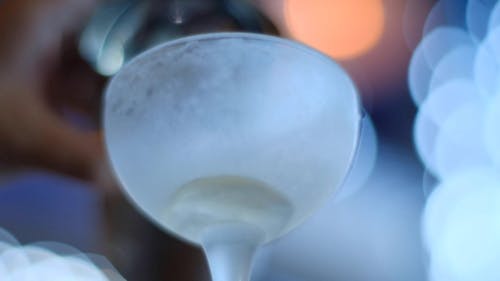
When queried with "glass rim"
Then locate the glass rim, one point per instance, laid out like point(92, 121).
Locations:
point(229, 35)
point(252, 36)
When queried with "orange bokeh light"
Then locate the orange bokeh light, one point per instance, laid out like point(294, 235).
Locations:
point(343, 29)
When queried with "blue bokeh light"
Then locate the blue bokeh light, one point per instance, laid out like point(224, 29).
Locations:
point(477, 15)
point(427, 56)
point(457, 64)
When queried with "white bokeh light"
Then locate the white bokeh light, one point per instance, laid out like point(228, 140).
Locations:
point(457, 136)
point(487, 64)
point(38, 263)
point(462, 227)
point(457, 64)
point(425, 132)
point(434, 112)
point(459, 144)
point(492, 130)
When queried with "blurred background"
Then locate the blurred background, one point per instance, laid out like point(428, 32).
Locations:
point(55, 184)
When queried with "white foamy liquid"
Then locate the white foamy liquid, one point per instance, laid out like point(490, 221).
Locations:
point(205, 204)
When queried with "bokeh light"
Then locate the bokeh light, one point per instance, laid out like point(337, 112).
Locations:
point(38, 263)
point(494, 20)
point(446, 99)
point(455, 78)
point(435, 18)
point(434, 112)
point(487, 64)
point(492, 130)
point(425, 132)
point(427, 56)
point(450, 13)
point(477, 15)
point(341, 29)
point(462, 227)
point(459, 144)
point(457, 64)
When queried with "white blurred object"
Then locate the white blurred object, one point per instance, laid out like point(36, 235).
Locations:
point(37, 263)
point(462, 227)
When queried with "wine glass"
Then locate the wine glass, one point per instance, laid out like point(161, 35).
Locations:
point(230, 140)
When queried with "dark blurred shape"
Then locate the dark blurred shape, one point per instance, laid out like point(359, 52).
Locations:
point(42, 85)
point(120, 29)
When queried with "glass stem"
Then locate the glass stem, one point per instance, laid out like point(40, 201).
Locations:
point(230, 249)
